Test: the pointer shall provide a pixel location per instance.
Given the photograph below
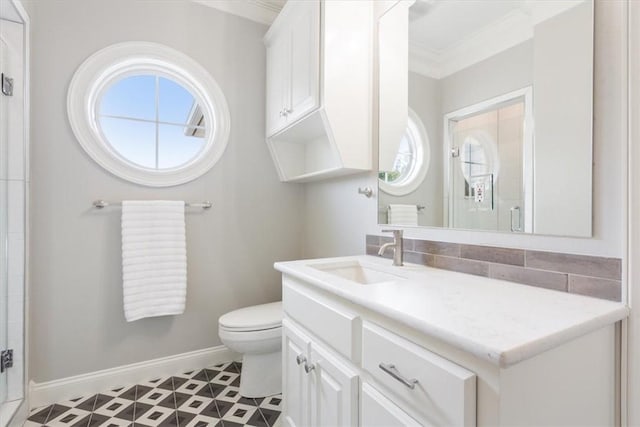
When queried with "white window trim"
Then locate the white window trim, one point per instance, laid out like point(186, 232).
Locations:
point(118, 61)
point(419, 170)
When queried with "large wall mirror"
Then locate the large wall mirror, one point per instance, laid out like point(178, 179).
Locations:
point(485, 117)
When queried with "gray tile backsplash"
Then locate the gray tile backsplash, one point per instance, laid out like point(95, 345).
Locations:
point(540, 278)
point(462, 265)
point(595, 287)
point(606, 268)
point(585, 275)
point(436, 248)
point(491, 254)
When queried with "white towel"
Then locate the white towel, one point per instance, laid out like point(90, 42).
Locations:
point(403, 215)
point(154, 258)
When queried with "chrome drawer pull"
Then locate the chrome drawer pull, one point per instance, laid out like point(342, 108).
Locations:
point(300, 359)
point(391, 370)
point(308, 367)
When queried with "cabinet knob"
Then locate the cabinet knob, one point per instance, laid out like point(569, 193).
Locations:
point(308, 367)
point(287, 111)
point(300, 359)
point(282, 113)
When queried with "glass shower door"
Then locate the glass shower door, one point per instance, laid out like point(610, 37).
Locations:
point(4, 297)
point(4, 208)
point(486, 169)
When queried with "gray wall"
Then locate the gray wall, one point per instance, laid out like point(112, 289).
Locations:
point(424, 100)
point(77, 321)
point(502, 73)
point(563, 123)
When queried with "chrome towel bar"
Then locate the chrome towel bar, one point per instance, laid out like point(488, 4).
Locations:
point(100, 204)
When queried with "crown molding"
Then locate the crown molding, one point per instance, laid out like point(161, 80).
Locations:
point(513, 29)
point(261, 11)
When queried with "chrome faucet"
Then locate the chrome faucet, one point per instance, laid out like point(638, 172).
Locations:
point(396, 245)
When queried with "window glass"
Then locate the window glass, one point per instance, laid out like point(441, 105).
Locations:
point(411, 162)
point(177, 145)
point(175, 102)
point(130, 97)
point(152, 121)
point(473, 158)
point(134, 141)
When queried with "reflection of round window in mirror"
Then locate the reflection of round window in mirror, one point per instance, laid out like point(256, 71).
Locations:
point(411, 162)
point(148, 114)
point(478, 156)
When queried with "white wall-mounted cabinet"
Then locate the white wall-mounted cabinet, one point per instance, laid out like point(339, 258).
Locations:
point(318, 105)
point(293, 61)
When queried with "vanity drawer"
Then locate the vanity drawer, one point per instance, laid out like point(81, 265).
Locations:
point(440, 391)
point(378, 411)
point(329, 321)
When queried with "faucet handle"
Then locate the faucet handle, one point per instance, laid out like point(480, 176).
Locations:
point(396, 233)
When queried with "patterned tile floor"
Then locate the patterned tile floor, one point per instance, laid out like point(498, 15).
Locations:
point(209, 397)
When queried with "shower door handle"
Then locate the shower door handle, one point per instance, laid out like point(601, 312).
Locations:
point(515, 212)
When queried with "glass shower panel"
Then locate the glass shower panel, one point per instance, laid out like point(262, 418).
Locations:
point(486, 169)
point(4, 237)
point(4, 297)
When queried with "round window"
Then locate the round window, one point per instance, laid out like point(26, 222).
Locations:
point(411, 162)
point(148, 114)
point(478, 156)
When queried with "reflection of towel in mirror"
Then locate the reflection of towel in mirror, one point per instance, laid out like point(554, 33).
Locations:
point(154, 258)
point(402, 215)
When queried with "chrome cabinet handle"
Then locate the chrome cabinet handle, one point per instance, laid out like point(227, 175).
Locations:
point(282, 113)
point(308, 367)
point(287, 111)
point(391, 370)
point(300, 359)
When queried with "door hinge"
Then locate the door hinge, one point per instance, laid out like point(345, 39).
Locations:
point(455, 152)
point(6, 360)
point(7, 85)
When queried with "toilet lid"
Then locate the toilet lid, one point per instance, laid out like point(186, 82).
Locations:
point(254, 318)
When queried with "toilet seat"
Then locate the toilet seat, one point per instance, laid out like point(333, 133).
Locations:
point(251, 337)
point(256, 333)
point(255, 318)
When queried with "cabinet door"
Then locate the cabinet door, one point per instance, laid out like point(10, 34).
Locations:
point(295, 382)
point(334, 391)
point(304, 53)
point(277, 80)
point(378, 411)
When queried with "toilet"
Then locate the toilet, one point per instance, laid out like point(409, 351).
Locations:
point(256, 333)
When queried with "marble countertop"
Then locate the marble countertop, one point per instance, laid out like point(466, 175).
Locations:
point(500, 321)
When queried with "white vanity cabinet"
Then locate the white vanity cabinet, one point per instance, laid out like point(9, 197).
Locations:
point(319, 91)
point(293, 61)
point(332, 373)
point(323, 391)
point(378, 411)
point(436, 348)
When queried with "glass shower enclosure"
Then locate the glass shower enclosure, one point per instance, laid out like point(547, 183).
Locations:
point(13, 184)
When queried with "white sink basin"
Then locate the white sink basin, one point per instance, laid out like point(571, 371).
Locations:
point(357, 272)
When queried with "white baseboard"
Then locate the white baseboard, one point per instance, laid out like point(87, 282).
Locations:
point(49, 392)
